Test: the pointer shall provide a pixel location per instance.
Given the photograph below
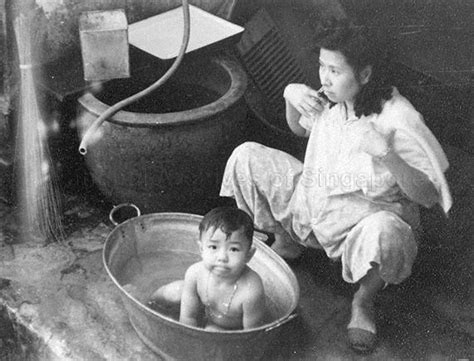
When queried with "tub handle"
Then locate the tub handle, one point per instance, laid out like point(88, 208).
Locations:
point(260, 236)
point(282, 322)
point(120, 206)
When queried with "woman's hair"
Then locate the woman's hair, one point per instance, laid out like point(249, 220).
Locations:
point(228, 220)
point(361, 46)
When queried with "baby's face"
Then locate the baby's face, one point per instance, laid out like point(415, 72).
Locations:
point(225, 256)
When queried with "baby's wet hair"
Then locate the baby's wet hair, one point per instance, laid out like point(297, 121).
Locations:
point(228, 220)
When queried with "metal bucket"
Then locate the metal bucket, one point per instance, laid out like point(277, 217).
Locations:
point(104, 44)
point(178, 232)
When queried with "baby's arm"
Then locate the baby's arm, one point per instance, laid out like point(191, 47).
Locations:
point(190, 302)
point(169, 294)
point(254, 307)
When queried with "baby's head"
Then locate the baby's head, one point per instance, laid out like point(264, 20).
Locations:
point(225, 241)
point(228, 220)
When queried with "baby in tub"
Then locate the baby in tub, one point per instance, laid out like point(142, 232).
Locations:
point(220, 292)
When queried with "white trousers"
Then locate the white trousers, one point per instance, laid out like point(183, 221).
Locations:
point(267, 184)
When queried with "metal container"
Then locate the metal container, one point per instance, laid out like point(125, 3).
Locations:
point(104, 44)
point(167, 337)
point(171, 158)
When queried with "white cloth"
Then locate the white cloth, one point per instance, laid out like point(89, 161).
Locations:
point(400, 116)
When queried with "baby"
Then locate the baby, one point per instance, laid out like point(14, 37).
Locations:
point(220, 292)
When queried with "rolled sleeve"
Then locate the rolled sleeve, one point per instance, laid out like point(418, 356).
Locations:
point(413, 154)
point(306, 123)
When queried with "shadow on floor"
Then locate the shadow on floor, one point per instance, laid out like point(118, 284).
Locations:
point(408, 327)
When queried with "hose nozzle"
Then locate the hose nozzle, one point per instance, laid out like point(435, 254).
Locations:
point(123, 103)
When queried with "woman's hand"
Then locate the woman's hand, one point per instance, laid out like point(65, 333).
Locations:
point(304, 99)
point(373, 142)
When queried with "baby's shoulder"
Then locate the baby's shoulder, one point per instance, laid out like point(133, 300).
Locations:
point(195, 271)
point(251, 280)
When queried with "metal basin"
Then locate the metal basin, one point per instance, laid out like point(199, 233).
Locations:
point(125, 253)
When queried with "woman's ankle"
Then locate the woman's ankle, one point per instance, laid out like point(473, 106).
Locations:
point(285, 247)
point(363, 315)
point(369, 286)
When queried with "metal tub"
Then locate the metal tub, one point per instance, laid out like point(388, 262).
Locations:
point(177, 232)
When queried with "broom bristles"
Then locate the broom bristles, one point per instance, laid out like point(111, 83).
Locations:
point(39, 196)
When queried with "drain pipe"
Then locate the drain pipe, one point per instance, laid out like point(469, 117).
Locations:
point(123, 103)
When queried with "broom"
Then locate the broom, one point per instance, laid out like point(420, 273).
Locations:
point(38, 195)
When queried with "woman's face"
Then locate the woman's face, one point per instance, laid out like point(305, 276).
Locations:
point(338, 78)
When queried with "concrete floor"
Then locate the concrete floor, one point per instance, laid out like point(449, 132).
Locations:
point(57, 303)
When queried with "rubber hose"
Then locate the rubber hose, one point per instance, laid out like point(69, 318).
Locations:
point(123, 103)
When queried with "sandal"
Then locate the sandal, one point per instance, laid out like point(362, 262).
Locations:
point(361, 341)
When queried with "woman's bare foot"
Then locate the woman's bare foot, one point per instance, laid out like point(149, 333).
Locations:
point(361, 331)
point(363, 316)
point(286, 248)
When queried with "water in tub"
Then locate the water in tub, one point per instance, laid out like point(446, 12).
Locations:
point(144, 274)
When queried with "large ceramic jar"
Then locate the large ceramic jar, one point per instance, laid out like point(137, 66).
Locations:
point(167, 152)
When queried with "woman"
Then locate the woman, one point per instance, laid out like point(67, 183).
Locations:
point(370, 161)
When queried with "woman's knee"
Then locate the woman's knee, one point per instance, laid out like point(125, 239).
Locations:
point(243, 154)
point(385, 239)
point(246, 148)
point(384, 220)
point(388, 228)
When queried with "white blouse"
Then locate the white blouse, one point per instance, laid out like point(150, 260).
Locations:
point(334, 163)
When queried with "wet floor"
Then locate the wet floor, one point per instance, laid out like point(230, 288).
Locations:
point(408, 326)
point(64, 306)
